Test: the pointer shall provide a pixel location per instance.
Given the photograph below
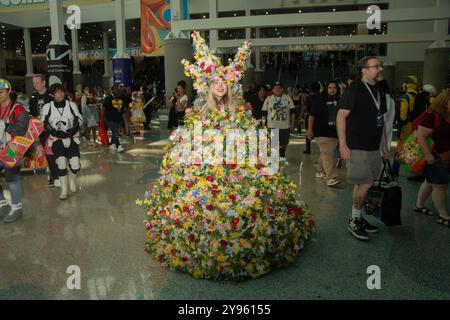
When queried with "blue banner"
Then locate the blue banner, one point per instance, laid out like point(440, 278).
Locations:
point(122, 71)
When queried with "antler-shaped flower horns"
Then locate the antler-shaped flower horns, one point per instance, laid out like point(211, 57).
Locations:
point(207, 67)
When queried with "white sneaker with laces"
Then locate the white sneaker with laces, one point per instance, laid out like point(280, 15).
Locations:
point(332, 182)
point(120, 149)
point(321, 175)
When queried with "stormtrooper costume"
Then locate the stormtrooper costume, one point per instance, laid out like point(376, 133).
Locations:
point(63, 120)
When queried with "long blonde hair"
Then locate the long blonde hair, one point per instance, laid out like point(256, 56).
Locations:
point(211, 102)
point(440, 104)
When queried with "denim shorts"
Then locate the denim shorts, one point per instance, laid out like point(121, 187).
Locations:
point(436, 173)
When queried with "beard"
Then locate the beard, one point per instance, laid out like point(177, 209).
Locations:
point(379, 78)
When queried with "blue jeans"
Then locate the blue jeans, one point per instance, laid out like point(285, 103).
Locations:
point(114, 127)
point(12, 176)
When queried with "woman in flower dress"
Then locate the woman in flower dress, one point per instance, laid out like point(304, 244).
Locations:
point(217, 218)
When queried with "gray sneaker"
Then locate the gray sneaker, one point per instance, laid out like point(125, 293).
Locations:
point(13, 215)
point(4, 210)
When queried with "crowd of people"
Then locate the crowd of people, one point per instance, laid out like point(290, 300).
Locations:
point(353, 121)
point(357, 121)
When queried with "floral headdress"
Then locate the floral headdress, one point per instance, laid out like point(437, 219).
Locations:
point(207, 67)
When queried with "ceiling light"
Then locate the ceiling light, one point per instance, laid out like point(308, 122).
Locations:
point(299, 11)
point(267, 12)
point(235, 14)
point(109, 29)
point(334, 9)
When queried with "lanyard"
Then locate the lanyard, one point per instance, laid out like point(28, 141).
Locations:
point(376, 101)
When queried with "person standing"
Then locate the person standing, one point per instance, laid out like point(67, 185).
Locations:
point(13, 122)
point(258, 103)
point(113, 109)
point(39, 98)
point(181, 103)
point(322, 127)
point(279, 111)
point(436, 125)
point(361, 131)
point(63, 120)
point(309, 101)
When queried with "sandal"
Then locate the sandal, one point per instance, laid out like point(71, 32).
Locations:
point(424, 211)
point(444, 222)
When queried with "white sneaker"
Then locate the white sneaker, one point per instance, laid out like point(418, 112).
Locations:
point(57, 183)
point(113, 147)
point(120, 149)
point(332, 182)
point(320, 175)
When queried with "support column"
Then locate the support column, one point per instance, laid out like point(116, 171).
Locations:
point(248, 31)
point(29, 60)
point(436, 65)
point(259, 69)
point(107, 62)
point(213, 33)
point(77, 75)
point(59, 54)
point(121, 61)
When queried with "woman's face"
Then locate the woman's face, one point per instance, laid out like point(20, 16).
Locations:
point(332, 89)
point(219, 89)
point(261, 92)
point(59, 95)
point(4, 96)
point(180, 90)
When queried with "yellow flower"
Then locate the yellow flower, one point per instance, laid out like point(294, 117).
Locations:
point(139, 202)
point(220, 258)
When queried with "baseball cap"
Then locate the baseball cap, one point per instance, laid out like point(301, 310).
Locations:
point(5, 85)
point(430, 89)
point(277, 84)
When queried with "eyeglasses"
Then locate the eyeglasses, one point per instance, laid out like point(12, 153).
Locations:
point(377, 66)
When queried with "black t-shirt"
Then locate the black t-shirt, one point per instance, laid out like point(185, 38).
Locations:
point(325, 111)
point(113, 109)
point(257, 105)
point(310, 100)
point(365, 122)
point(37, 102)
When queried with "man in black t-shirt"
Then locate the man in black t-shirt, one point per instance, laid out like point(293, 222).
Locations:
point(113, 106)
point(362, 133)
point(40, 97)
point(309, 102)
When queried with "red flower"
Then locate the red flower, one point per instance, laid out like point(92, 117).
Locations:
point(210, 179)
point(215, 192)
point(148, 227)
point(235, 220)
point(166, 232)
point(214, 186)
point(238, 68)
point(258, 193)
point(202, 65)
point(190, 184)
point(161, 211)
point(223, 243)
point(161, 258)
point(270, 209)
point(184, 259)
point(272, 217)
point(173, 251)
point(191, 237)
point(232, 197)
point(210, 207)
point(254, 215)
point(312, 223)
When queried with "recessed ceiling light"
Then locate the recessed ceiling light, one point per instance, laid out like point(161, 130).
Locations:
point(267, 12)
point(204, 17)
point(109, 30)
point(334, 9)
point(299, 11)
